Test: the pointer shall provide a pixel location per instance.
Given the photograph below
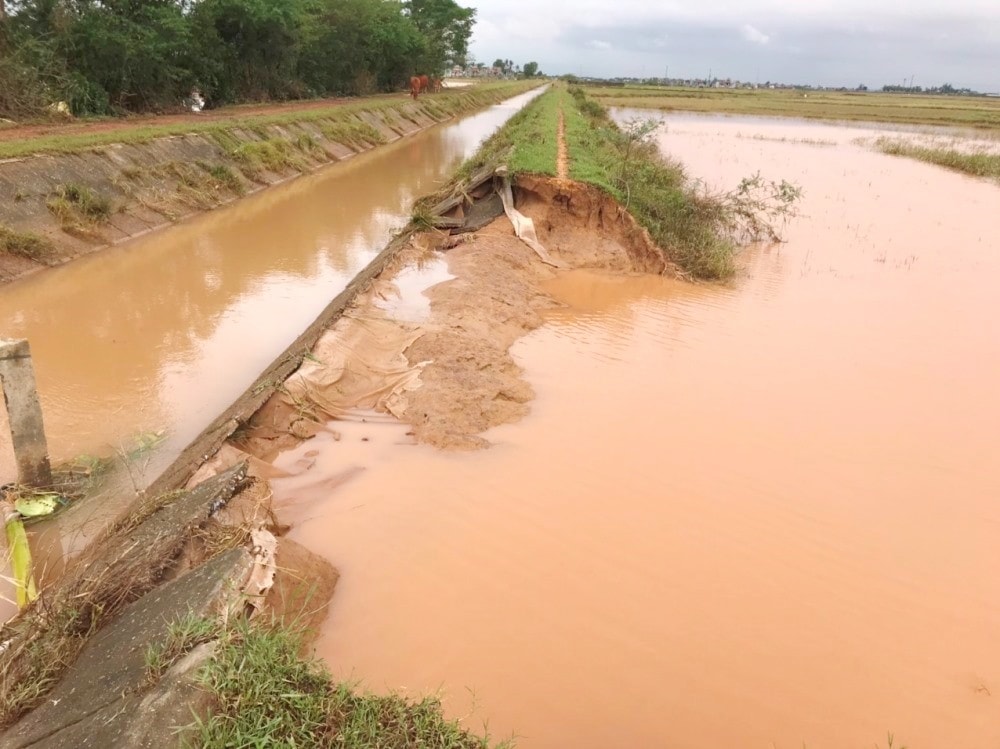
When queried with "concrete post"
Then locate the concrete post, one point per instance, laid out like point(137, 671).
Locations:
point(17, 378)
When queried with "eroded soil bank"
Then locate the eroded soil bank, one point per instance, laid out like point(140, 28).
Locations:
point(755, 515)
point(447, 371)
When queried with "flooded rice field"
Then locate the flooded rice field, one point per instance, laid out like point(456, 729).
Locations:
point(160, 335)
point(757, 515)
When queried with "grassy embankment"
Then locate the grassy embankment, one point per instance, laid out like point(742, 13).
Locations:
point(449, 102)
point(978, 164)
point(947, 111)
point(264, 693)
point(696, 230)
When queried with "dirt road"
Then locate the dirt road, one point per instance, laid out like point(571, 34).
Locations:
point(75, 127)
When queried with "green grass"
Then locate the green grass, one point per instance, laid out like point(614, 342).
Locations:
point(978, 164)
point(698, 232)
point(266, 694)
point(182, 637)
point(355, 134)
point(225, 176)
point(950, 111)
point(82, 201)
point(448, 102)
point(79, 209)
point(24, 244)
point(526, 144)
point(273, 154)
point(688, 227)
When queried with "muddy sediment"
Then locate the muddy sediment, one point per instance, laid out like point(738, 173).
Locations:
point(451, 376)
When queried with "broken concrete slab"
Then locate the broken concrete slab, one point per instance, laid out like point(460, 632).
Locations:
point(481, 214)
point(128, 562)
point(105, 699)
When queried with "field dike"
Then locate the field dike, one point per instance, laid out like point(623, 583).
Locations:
point(150, 624)
point(77, 198)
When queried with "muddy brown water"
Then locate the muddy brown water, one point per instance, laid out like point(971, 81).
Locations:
point(158, 336)
point(761, 515)
point(163, 333)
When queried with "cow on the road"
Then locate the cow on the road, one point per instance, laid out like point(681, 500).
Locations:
point(419, 84)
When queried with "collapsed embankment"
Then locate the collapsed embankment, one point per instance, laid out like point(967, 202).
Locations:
point(448, 373)
point(82, 195)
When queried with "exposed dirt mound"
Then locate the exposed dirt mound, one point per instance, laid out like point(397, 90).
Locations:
point(451, 375)
point(587, 228)
point(471, 382)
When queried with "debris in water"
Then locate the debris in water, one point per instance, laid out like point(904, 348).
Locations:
point(37, 505)
point(20, 554)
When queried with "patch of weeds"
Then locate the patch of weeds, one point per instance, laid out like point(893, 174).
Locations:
point(40, 662)
point(274, 155)
point(422, 216)
point(977, 163)
point(83, 201)
point(225, 176)
point(185, 174)
point(227, 140)
point(434, 111)
point(79, 209)
point(354, 134)
point(195, 187)
point(133, 173)
point(182, 637)
point(307, 143)
point(137, 454)
point(24, 244)
point(266, 694)
point(159, 202)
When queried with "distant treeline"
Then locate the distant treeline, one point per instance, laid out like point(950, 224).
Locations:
point(947, 89)
point(119, 56)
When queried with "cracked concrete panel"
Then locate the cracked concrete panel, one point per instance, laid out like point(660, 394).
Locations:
point(105, 699)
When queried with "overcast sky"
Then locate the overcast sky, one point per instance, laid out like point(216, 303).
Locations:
point(822, 42)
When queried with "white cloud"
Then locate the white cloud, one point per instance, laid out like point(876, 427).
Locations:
point(755, 35)
point(828, 42)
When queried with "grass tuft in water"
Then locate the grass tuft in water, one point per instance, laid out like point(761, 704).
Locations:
point(977, 163)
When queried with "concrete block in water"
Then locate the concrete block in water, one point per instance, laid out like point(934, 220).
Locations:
point(17, 377)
